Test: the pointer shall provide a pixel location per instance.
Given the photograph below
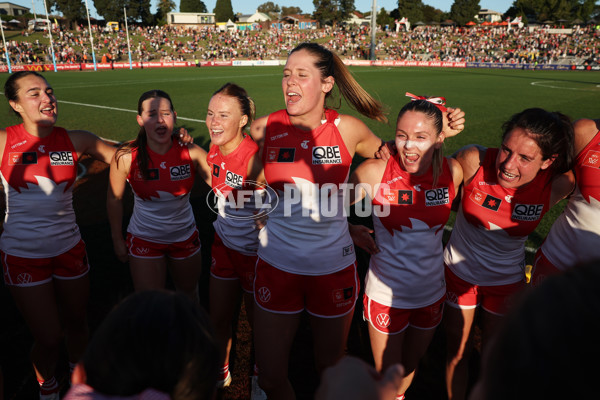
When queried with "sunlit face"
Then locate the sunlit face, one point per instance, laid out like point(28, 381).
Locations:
point(519, 160)
point(416, 140)
point(304, 89)
point(35, 102)
point(224, 120)
point(158, 119)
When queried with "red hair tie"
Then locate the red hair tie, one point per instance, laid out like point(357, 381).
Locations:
point(439, 102)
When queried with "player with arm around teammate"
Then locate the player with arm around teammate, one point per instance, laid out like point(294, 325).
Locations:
point(235, 166)
point(505, 194)
point(162, 231)
point(44, 259)
point(412, 196)
point(306, 256)
point(575, 234)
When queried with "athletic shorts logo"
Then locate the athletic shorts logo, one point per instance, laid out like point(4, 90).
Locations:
point(281, 154)
point(326, 155)
point(341, 295)
point(348, 250)
point(592, 159)
point(58, 158)
point(451, 297)
point(404, 197)
point(436, 310)
point(264, 294)
point(26, 158)
point(383, 320)
point(24, 278)
point(180, 172)
point(437, 197)
point(216, 170)
point(142, 251)
point(234, 180)
point(485, 200)
point(527, 212)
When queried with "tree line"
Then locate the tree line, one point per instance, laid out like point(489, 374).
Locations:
point(333, 12)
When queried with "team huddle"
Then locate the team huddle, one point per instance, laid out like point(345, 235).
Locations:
point(296, 257)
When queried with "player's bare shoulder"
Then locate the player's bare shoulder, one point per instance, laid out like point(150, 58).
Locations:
point(2, 142)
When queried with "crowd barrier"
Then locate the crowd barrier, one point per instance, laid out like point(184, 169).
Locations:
point(376, 63)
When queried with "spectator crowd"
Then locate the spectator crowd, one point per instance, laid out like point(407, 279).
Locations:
point(539, 44)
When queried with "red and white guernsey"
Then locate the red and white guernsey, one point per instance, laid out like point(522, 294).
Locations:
point(575, 235)
point(234, 225)
point(162, 211)
point(487, 245)
point(38, 176)
point(307, 231)
point(408, 272)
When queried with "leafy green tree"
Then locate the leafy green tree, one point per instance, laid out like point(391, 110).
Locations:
point(195, 6)
point(112, 10)
point(383, 19)
point(72, 10)
point(269, 8)
point(585, 9)
point(162, 9)
point(325, 11)
point(223, 11)
point(345, 9)
point(290, 11)
point(562, 10)
point(432, 14)
point(332, 11)
point(542, 10)
point(463, 11)
point(139, 11)
point(411, 9)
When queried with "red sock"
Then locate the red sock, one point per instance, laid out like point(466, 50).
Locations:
point(224, 372)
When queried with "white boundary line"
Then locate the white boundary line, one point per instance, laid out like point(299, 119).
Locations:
point(545, 84)
point(119, 109)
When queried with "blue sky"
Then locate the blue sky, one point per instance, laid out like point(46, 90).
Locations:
point(249, 6)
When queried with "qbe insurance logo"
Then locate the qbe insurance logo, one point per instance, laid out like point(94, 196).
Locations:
point(248, 201)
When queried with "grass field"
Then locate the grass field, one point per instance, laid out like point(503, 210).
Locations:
point(104, 102)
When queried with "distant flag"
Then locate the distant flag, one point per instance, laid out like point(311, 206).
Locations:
point(406, 23)
point(517, 21)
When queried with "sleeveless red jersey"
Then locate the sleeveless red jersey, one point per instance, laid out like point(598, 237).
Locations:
point(575, 235)
point(162, 211)
point(408, 272)
point(229, 172)
point(234, 225)
point(487, 245)
point(38, 176)
point(306, 168)
point(587, 171)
